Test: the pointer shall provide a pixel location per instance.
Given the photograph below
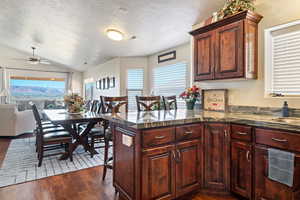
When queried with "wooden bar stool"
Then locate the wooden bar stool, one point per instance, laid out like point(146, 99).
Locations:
point(111, 105)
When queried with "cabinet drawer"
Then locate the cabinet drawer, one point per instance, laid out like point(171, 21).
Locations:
point(241, 132)
point(188, 132)
point(280, 139)
point(158, 136)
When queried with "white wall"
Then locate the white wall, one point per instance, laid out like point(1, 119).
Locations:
point(133, 62)
point(183, 54)
point(117, 68)
point(109, 69)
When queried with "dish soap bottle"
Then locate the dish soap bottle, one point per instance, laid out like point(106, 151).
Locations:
point(285, 109)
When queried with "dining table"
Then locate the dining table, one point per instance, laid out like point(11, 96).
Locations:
point(71, 121)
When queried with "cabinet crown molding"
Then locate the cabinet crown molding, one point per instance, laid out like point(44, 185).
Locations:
point(247, 14)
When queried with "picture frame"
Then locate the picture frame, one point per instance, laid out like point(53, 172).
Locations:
point(104, 83)
point(98, 84)
point(112, 82)
point(167, 56)
point(215, 100)
point(107, 82)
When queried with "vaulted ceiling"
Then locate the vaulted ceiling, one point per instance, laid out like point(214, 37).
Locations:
point(71, 32)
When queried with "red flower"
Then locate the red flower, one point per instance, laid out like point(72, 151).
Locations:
point(183, 94)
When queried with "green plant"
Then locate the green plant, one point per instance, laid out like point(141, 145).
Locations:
point(234, 6)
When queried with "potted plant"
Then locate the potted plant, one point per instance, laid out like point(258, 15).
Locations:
point(232, 7)
point(74, 103)
point(190, 96)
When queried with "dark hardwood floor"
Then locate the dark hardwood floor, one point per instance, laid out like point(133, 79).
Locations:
point(80, 185)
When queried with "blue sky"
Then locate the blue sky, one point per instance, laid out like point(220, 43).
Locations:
point(48, 84)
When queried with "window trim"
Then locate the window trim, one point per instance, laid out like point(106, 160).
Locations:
point(142, 90)
point(268, 61)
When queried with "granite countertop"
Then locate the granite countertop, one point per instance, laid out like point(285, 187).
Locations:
point(153, 119)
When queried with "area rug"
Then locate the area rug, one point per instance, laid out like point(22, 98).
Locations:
point(20, 163)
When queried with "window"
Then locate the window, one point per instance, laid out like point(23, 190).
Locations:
point(40, 90)
point(282, 60)
point(135, 85)
point(170, 80)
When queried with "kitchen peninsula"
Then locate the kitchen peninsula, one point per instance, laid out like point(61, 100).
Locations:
point(168, 154)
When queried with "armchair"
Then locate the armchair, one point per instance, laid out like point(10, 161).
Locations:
point(13, 122)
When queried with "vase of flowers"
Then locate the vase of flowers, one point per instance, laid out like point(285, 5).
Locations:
point(74, 103)
point(190, 96)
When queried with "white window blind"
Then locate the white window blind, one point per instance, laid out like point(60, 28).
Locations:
point(135, 85)
point(170, 80)
point(283, 60)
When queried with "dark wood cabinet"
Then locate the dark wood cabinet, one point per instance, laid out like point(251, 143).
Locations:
point(267, 189)
point(169, 162)
point(204, 54)
point(229, 51)
point(241, 168)
point(188, 170)
point(217, 158)
point(227, 48)
point(171, 170)
point(158, 181)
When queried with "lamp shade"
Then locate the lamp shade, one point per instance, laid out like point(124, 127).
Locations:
point(4, 93)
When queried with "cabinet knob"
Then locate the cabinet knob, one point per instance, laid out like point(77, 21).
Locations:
point(279, 140)
point(242, 133)
point(248, 156)
point(225, 132)
point(188, 132)
point(174, 156)
point(179, 155)
point(160, 137)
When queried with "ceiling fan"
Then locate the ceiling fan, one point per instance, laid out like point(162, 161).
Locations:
point(34, 59)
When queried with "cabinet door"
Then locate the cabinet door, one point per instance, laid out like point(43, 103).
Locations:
point(158, 173)
point(267, 189)
point(204, 56)
point(241, 169)
point(217, 158)
point(229, 53)
point(188, 167)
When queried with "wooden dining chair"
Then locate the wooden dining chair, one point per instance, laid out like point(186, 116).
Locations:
point(50, 138)
point(150, 103)
point(170, 102)
point(87, 105)
point(114, 104)
point(94, 106)
point(111, 105)
point(97, 133)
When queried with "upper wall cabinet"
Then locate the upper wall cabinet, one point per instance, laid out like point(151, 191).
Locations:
point(227, 48)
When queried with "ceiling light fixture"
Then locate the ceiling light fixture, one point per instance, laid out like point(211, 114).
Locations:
point(114, 34)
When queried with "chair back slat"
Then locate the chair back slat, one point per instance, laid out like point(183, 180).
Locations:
point(170, 102)
point(114, 104)
point(93, 107)
point(148, 103)
point(37, 116)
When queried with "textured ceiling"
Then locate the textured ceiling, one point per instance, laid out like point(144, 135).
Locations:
point(73, 31)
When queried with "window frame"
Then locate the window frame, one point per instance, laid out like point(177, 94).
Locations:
point(180, 102)
point(138, 90)
point(268, 61)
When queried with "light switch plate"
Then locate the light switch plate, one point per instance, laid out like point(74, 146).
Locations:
point(127, 140)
